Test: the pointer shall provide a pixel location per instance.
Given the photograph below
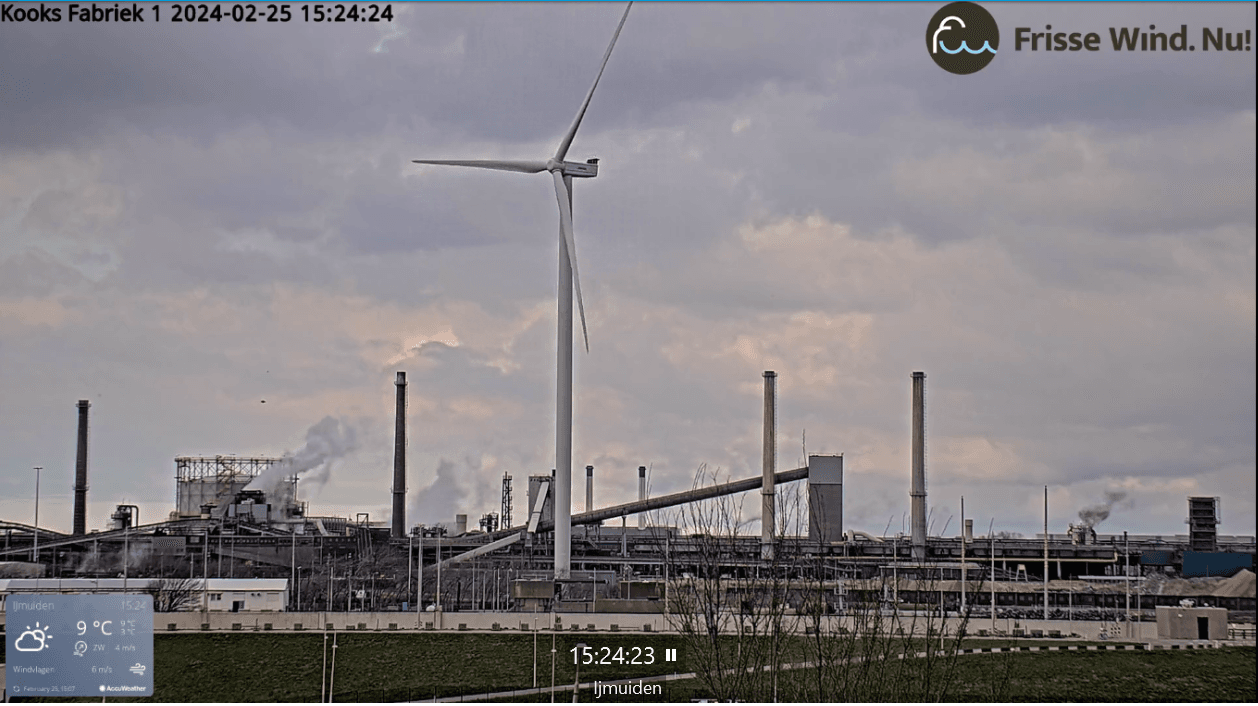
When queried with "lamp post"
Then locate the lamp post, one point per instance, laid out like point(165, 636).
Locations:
point(963, 554)
point(35, 557)
point(332, 675)
point(1127, 581)
point(576, 683)
point(323, 695)
point(992, 537)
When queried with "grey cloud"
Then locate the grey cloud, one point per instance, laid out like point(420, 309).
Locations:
point(35, 272)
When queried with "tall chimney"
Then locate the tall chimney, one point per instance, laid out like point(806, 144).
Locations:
point(399, 459)
point(460, 524)
point(80, 473)
point(918, 492)
point(642, 495)
point(589, 488)
point(770, 455)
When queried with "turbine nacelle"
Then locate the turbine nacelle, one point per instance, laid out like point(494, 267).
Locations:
point(577, 170)
point(580, 170)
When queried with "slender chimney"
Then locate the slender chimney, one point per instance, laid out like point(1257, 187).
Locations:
point(589, 488)
point(918, 492)
point(80, 473)
point(770, 456)
point(399, 459)
point(642, 495)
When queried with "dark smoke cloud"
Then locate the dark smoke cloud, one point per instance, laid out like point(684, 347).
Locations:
point(1094, 515)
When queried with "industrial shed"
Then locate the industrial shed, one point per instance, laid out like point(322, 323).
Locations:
point(223, 595)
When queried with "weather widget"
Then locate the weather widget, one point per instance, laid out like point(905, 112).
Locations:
point(79, 645)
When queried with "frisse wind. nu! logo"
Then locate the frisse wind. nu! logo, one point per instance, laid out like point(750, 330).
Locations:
point(962, 38)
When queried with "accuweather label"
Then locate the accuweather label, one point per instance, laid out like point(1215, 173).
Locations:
point(962, 38)
point(63, 646)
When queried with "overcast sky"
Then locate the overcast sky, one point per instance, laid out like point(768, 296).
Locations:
point(197, 218)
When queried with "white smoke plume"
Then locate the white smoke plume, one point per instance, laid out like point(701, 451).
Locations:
point(1096, 514)
point(326, 441)
point(445, 497)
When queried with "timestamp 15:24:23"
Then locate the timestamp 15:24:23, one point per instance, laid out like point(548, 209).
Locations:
point(584, 654)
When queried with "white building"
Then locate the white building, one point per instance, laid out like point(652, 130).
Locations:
point(222, 595)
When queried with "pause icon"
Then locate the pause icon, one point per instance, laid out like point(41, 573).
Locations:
point(670, 655)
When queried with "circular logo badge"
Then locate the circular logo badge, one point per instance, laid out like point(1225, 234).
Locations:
point(962, 38)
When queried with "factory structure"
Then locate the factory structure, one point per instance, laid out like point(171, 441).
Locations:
point(238, 521)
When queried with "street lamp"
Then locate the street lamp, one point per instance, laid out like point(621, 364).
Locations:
point(323, 696)
point(35, 558)
point(576, 684)
point(332, 675)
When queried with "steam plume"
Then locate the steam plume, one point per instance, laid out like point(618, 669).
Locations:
point(1094, 515)
point(442, 500)
point(326, 441)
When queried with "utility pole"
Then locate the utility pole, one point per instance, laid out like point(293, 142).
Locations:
point(35, 553)
point(1127, 581)
point(992, 537)
point(1046, 552)
point(962, 554)
point(332, 676)
point(205, 572)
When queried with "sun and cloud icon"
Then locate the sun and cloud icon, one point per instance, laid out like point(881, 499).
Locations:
point(33, 640)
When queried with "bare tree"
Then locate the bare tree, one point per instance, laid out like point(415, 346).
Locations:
point(732, 609)
point(171, 595)
point(800, 625)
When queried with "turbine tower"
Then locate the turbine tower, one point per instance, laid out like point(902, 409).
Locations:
point(562, 172)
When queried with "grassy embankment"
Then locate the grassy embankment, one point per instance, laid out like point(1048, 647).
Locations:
point(387, 667)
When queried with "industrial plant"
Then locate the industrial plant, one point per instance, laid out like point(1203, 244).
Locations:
point(237, 526)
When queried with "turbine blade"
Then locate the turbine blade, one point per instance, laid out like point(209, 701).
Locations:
point(563, 193)
point(566, 142)
point(502, 165)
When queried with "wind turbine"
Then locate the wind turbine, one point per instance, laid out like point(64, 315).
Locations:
point(562, 172)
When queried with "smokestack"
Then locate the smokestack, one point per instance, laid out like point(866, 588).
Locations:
point(770, 455)
point(589, 488)
point(641, 495)
point(918, 492)
point(399, 459)
point(80, 473)
point(460, 524)
point(969, 531)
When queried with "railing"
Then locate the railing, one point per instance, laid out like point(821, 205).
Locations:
point(1241, 633)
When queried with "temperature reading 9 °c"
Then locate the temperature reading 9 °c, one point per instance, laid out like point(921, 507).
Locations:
point(105, 627)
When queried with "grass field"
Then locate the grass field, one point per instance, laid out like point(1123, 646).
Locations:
point(395, 667)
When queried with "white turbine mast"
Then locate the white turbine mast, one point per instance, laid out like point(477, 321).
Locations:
point(563, 172)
